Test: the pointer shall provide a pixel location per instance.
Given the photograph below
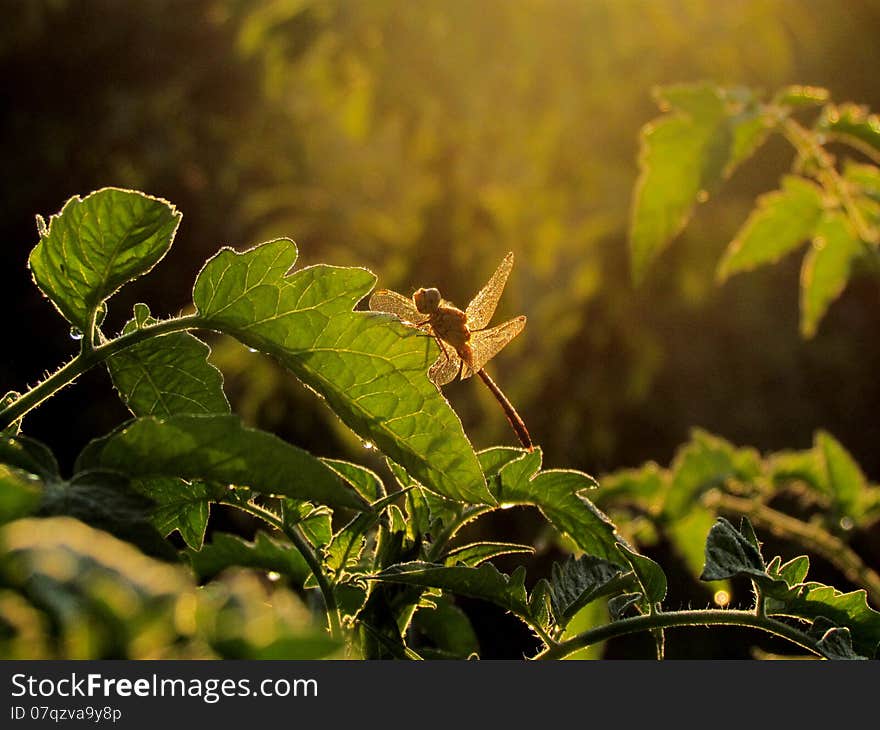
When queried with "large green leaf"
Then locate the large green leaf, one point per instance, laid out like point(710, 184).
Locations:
point(218, 448)
point(166, 375)
point(684, 156)
point(370, 368)
point(826, 268)
point(781, 222)
point(98, 243)
point(485, 582)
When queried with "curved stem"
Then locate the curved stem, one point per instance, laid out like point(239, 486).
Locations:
point(299, 541)
point(721, 617)
point(86, 359)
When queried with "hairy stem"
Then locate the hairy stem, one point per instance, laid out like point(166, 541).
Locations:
point(673, 619)
point(86, 359)
point(294, 534)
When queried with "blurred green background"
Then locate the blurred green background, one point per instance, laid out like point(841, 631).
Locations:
point(424, 140)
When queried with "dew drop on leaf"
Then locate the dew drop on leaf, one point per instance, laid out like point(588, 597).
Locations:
point(252, 349)
point(76, 333)
point(273, 576)
point(368, 445)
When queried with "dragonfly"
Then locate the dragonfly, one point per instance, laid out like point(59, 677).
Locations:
point(466, 345)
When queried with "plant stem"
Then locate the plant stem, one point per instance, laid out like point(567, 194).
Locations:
point(86, 359)
point(833, 549)
point(294, 534)
point(672, 619)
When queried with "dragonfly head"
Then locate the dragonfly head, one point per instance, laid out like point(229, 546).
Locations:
point(427, 301)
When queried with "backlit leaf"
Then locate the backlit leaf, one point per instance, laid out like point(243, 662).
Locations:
point(98, 243)
point(370, 368)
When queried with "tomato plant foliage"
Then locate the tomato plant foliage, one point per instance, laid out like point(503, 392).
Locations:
point(386, 552)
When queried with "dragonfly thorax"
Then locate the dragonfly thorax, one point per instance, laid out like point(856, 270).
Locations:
point(427, 301)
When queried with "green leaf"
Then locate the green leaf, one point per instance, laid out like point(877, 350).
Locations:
point(218, 448)
point(704, 463)
point(729, 553)
point(370, 368)
point(812, 600)
point(107, 501)
point(865, 178)
point(826, 268)
point(579, 581)
point(853, 123)
point(365, 481)
point(476, 553)
point(264, 553)
point(845, 480)
point(651, 577)
point(485, 582)
point(645, 484)
point(795, 570)
point(684, 156)
point(180, 505)
point(166, 375)
point(557, 494)
point(781, 222)
point(98, 243)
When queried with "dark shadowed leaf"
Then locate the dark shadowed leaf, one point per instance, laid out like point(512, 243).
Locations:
point(218, 448)
point(265, 553)
point(484, 582)
point(579, 581)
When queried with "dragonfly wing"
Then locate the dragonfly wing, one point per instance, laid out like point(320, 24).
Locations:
point(485, 344)
point(385, 300)
point(445, 368)
point(482, 307)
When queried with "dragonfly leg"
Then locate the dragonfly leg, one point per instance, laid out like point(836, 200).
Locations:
point(442, 348)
